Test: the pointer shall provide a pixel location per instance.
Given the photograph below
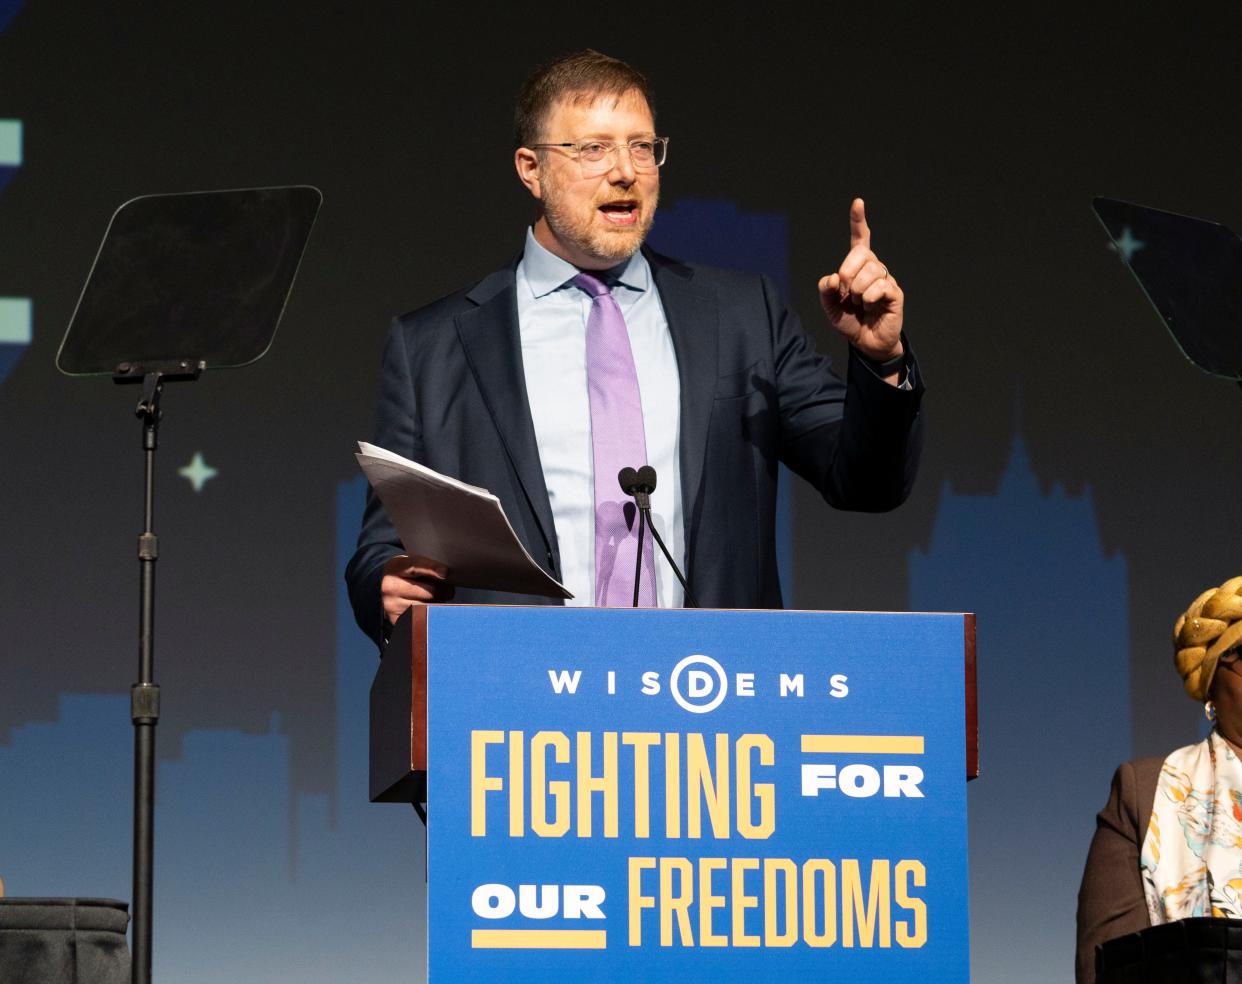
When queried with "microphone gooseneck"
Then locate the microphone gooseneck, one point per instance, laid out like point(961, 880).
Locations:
point(640, 483)
point(627, 478)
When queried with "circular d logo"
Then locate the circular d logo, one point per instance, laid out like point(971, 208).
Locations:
point(698, 684)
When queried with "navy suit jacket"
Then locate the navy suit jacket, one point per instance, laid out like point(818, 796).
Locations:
point(754, 392)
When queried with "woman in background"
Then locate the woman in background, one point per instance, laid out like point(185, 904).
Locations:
point(1168, 844)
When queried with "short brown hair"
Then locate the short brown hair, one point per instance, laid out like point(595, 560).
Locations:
point(582, 76)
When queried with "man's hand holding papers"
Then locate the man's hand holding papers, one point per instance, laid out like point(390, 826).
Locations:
point(413, 581)
point(455, 535)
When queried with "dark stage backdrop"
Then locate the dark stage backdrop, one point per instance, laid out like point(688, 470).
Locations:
point(1077, 489)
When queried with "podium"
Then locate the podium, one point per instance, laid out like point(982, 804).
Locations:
point(684, 795)
point(1188, 950)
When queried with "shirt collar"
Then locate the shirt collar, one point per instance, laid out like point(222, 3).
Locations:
point(546, 272)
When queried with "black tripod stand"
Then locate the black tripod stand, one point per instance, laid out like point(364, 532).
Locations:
point(219, 267)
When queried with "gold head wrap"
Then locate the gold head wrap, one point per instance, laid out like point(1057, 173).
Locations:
point(1211, 626)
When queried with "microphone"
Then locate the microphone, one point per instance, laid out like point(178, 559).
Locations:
point(640, 483)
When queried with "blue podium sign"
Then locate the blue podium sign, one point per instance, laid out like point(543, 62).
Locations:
point(695, 796)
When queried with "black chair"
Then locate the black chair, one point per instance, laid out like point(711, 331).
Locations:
point(63, 941)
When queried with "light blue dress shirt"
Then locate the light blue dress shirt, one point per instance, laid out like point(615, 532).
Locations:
point(552, 321)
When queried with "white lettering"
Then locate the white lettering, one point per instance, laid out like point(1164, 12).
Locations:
point(545, 908)
point(859, 781)
point(563, 680)
point(698, 683)
point(903, 780)
point(493, 901)
point(584, 901)
point(816, 777)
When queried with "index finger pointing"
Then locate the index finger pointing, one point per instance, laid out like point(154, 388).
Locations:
point(860, 233)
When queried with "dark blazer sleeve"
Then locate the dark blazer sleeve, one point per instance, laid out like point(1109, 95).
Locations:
point(857, 443)
point(1110, 900)
point(396, 429)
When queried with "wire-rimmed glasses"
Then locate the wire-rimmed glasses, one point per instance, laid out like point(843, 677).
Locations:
point(599, 156)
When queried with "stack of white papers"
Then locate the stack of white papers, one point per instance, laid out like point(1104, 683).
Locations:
point(460, 525)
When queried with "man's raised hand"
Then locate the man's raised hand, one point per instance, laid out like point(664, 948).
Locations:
point(862, 299)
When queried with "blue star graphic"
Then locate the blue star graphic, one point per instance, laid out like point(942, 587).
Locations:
point(1126, 244)
point(198, 472)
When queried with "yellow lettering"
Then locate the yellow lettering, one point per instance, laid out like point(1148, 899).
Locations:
point(642, 742)
point(517, 784)
point(742, 901)
point(679, 903)
point(902, 877)
point(827, 873)
point(764, 792)
point(638, 901)
point(480, 782)
point(771, 867)
point(709, 903)
point(702, 785)
point(672, 785)
point(877, 908)
point(819, 902)
point(540, 787)
point(605, 784)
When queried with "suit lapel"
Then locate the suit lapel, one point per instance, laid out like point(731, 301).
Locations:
point(489, 335)
point(490, 338)
point(694, 327)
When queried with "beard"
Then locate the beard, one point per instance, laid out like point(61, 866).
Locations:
point(581, 225)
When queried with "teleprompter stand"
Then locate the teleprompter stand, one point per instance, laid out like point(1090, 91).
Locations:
point(181, 283)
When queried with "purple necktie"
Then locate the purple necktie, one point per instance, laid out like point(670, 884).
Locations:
point(617, 442)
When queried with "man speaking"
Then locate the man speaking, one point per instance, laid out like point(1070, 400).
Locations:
point(590, 353)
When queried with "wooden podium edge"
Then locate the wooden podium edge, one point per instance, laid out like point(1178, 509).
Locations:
point(398, 733)
point(418, 691)
point(972, 700)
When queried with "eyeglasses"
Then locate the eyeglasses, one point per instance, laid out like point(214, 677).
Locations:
point(599, 156)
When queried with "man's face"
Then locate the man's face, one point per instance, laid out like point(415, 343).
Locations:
point(599, 220)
